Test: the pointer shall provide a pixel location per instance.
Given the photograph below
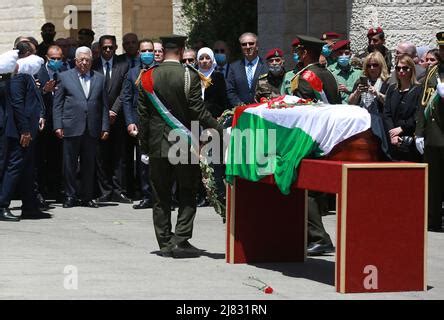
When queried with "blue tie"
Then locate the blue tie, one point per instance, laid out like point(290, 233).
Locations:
point(250, 74)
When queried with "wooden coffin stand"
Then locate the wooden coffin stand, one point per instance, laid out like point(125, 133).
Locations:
point(381, 212)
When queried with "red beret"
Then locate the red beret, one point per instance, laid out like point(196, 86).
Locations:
point(276, 52)
point(341, 44)
point(330, 35)
point(296, 42)
point(374, 31)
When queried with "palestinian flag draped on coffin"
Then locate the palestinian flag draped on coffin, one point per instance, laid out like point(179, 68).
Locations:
point(272, 141)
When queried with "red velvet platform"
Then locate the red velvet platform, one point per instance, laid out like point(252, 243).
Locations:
point(381, 222)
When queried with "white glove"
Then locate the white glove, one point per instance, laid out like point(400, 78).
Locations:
point(145, 159)
point(30, 65)
point(8, 61)
point(440, 89)
point(419, 141)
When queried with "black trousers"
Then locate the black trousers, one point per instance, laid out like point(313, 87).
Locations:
point(79, 150)
point(18, 175)
point(162, 177)
point(49, 163)
point(434, 156)
point(111, 163)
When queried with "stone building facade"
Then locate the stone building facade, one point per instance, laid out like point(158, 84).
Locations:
point(415, 20)
point(278, 20)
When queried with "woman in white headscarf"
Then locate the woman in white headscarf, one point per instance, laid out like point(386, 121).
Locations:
point(214, 96)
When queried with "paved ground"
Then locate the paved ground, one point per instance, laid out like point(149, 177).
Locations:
point(111, 249)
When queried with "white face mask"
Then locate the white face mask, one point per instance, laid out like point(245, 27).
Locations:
point(30, 65)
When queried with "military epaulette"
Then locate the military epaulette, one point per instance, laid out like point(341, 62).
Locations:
point(263, 76)
point(428, 92)
point(205, 80)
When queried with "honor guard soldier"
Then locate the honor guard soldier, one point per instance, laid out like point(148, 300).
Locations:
point(303, 86)
point(170, 97)
point(269, 84)
point(286, 84)
point(430, 135)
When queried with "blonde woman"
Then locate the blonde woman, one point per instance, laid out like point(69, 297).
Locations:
point(400, 108)
point(369, 90)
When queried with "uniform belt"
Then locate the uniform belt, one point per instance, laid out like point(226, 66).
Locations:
point(5, 76)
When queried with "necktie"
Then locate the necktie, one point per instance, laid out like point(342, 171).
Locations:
point(107, 76)
point(84, 85)
point(250, 74)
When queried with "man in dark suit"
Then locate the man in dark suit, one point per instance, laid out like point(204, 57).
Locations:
point(23, 115)
point(222, 56)
point(49, 147)
point(184, 105)
point(130, 44)
point(111, 154)
point(243, 74)
point(129, 99)
point(81, 118)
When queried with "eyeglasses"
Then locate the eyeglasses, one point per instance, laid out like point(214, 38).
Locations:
point(244, 44)
point(404, 68)
point(190, 60)
point(219, 50)
point(372, 65)
point(104, 48)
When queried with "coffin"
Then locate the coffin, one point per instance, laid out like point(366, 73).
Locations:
point(362, 147)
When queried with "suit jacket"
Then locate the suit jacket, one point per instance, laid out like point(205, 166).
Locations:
point(215, 97)
point(48, 97)
point(400, 109)
point(169, 84)
point(238, 91)
point(129, 97)
point(25, 108)
point(75, 113)
point(119, 71)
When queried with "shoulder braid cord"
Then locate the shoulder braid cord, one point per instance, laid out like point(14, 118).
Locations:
point(428, 92)
point(187, 85)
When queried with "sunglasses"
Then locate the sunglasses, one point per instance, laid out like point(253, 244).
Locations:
point(244, 44)
point(188, 60)
point(219, 50)
point(405, 69)
point(372, 65)
point(104, 48)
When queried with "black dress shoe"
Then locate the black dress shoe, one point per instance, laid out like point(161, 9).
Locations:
point(103, 199)
point(35, 214)
point(70, 203)
point(6, 215)
point(203, 203)
point(121, 198)
point(316, 249)
point(43, 205)
point(185, 250)
point(165, 252)
point(144, 204)
point(89, 204)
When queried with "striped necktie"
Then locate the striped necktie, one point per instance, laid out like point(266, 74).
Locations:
point(250, 74)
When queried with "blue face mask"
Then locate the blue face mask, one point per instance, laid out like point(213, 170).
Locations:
point(147, 58)
point(344, 61)
point(55, 65)
point(326, 51)
point(221, 58)
point(296, 58)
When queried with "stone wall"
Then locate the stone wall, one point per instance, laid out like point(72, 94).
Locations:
point(415, 20)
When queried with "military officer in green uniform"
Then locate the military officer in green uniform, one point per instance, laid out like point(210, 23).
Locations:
point(430, 135)
point(345, 74)
point(286, 84)
point(269, 84)
point(179, 94)
point(309, 50)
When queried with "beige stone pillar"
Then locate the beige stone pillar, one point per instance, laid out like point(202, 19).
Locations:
point(107, 18)
point(180, 23)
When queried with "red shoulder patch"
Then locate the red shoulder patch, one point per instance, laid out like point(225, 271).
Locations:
point(313, 80)
point(147, 81)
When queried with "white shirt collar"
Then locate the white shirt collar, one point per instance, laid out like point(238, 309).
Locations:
point(110, 61)
point(255, 61)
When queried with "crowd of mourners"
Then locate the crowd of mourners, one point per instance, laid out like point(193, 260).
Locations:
point(41, 147)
